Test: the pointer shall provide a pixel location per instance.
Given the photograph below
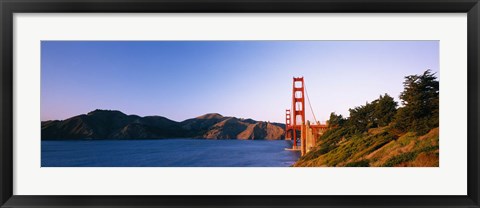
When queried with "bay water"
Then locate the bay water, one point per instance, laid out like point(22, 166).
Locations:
point(167, 153)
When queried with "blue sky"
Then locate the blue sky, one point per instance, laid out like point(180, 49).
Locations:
point(245, 79)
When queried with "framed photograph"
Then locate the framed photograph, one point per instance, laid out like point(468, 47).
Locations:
point(266, 103)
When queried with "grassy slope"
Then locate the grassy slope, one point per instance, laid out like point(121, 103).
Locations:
point(378, 147)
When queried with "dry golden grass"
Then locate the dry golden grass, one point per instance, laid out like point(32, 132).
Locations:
point(377, 130)
point(409, 150)
point(425, 159)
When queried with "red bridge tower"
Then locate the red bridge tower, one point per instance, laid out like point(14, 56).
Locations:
point(298, 101)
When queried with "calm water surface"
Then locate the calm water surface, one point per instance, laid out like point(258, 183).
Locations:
point(168, 153)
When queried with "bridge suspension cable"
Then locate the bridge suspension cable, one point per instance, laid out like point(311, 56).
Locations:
point(309, 103)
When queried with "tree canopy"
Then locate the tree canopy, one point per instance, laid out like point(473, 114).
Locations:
point(419, 111)
point(420, 99)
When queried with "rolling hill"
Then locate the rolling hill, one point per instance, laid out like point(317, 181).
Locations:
point(111, 124)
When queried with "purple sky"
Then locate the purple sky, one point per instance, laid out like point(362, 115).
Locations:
point(245, 79)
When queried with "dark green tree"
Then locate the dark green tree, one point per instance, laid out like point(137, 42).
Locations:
point(385, 110)
point(420, 100)
point(378, 113)
point(336, 120)
point(362, 118)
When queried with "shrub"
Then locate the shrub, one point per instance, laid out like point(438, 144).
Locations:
point(361, 163)
point(405, 157)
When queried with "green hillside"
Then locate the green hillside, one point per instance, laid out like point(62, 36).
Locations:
point(380, 134)
point(379, 147)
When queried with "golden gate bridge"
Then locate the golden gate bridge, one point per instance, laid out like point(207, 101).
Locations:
point(296, 129)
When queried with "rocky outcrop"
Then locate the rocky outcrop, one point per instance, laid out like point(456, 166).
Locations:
point(227, 129)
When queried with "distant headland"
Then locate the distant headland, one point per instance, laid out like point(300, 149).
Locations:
point(112, 124)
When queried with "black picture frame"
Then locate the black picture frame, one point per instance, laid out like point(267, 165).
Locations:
point(9, 7)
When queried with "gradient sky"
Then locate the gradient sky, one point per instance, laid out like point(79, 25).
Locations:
point(245, 79)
